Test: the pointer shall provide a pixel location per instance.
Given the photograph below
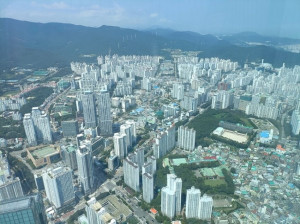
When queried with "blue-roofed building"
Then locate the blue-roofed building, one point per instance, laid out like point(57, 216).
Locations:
point(266, 137)
point(139, 110)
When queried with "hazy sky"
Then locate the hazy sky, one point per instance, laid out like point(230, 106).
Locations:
point(269, 17)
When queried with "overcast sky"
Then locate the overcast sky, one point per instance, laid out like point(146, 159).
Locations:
point(268, 17)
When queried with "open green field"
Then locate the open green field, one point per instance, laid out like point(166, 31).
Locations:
point(214, 183)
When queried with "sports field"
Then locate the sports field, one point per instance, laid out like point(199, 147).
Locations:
point(45, 151)
point(235, 136)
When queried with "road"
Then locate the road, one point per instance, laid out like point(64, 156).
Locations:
point(46, 107)
point(142, 215)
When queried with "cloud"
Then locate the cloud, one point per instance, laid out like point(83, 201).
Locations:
point(153, 15)
point(53, 6)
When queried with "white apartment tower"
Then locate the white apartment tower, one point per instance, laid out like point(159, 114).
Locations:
point(37, 127)
point(148, 186)
point(59, 188)
point(168, 202)
point(85, 168)
point(206, 204)
point(120, 146)
point(192, 203)
point(105, 119)
point(29, 130)
point(186, 138)
point(89, 110)
point(178, 91)
point(295, 122)
point(174, 187)
point(44, 126)
point(131, 174)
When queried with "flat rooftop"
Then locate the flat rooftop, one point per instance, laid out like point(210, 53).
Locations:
point(71, 148)
point(44, 152)
point(115, 207)
point(15, 204)
point(179, 161)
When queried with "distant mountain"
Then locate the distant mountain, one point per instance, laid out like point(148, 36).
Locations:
point(247, 38)
point(41, 45)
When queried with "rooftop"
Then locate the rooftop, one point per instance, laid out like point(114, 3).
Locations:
point(16, 204)
point(44, 151)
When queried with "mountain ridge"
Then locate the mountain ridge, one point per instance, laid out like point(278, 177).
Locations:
point(57, 44)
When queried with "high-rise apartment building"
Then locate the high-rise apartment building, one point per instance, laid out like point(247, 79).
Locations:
point(11, 189)
point(206, 204)
point(295, 122)
point(44, 126)
point(85, 168)
point(131, 174)
point(148, 186)
point(105, 119)
point(59, 188)
point(192, 203)
point(178, 91)
point(174, 187)
point(164, 142)
point(37, 127)
point(186, 138)
point(29, 130)
point(120, 146)
point(126, 130)
point(89, 109)
point(168, 202)
point(69, 156)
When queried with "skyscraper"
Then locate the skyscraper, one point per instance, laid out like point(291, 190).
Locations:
point(69, 156)
point(11, 189)
point(164, 142)
point(37, 127)
point(178, 91)
point(186, 138)
point(44, 126)
point(192, 203)
point(168, 202)
point(35, 115)
point(89, 110)
point(29, 130)
point(85, 168)
point(171, 196)
point(105, 119)
point(126, 130)
point(133, 129)
point(120, 146)
point(59, 188)
point(137, 157)
point(206, 204)
point(148, 186)
point(29, 209)
point(131, 174)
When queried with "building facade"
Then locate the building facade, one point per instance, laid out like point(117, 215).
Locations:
point(58, 185)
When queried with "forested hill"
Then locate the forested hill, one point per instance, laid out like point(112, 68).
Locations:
point(54, 44)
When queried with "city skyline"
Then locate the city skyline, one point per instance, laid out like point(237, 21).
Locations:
point(206, 17)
